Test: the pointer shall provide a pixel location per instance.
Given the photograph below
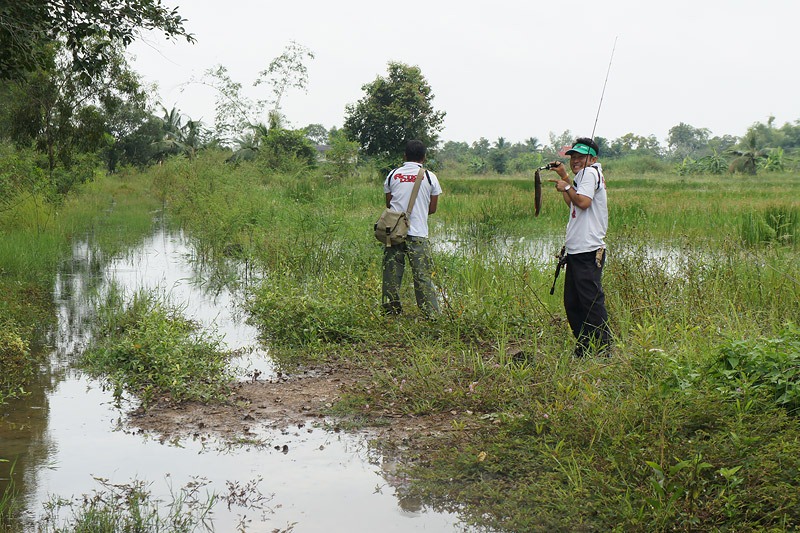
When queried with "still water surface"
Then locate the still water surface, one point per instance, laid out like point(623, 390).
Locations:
point(69, 430)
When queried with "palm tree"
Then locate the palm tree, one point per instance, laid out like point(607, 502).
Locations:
point(179, 137)
point(533, 144)
point(748, 157)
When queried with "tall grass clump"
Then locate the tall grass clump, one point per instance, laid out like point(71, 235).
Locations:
point(774, 224)
point(148, 348)
point(315, 312)
point(133, 507)
point(9, 501)
point(17, 364)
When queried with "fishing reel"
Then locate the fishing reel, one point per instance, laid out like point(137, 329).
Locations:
point(549, 166)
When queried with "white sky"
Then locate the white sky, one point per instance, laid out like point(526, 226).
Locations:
point(508, 68)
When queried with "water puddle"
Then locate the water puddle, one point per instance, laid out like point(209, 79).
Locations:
point(69, 431)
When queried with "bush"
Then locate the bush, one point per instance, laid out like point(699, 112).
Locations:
point(747, 368)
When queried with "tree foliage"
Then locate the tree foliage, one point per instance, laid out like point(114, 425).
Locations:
point(88, 29)
point(395, 109)
point(66, 115)
point(317, 133)
point(235, 114)
point(685, 140)
point(287, 71)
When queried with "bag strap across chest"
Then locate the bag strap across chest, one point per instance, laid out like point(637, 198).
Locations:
point(415, 191)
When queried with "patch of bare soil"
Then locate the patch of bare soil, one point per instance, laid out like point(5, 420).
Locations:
point(284, 401)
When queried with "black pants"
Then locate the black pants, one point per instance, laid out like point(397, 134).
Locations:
point(585, 303)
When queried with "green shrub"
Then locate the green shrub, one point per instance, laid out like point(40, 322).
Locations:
point(747, 368)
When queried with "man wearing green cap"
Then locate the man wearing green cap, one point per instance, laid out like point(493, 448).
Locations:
point(584, 300)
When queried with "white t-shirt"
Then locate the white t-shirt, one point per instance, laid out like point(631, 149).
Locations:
point(586, 229)
point(400, 182)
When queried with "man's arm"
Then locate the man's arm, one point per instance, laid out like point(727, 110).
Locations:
point(388, 200)
point(433, 205)
point(578, 199)
point(571, 196)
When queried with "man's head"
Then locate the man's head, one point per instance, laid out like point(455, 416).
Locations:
point(415, 151)
point(583, 153)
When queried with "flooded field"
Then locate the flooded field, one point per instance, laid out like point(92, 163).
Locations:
point(69, 438)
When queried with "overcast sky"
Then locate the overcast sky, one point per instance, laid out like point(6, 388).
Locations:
point(514, 69)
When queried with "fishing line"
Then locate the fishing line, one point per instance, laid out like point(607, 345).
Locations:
point(603, 93)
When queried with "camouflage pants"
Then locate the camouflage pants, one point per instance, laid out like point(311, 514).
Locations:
point(417, 249)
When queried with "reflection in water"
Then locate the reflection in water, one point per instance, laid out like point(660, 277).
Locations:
point(68, 430)
point(671, 259)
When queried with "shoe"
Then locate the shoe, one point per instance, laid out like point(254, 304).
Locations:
point(392, 308)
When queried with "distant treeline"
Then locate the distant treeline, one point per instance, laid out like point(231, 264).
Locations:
point(688, 150)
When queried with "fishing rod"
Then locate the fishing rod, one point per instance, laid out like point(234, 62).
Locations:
point(603, 93)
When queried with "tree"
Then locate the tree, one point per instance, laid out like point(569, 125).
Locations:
point(498, 156)
point(481, 147)
point(631, 144)
point(767, 134)
point(395, 109)
point(791, 135)
point(602, 144)
point(235, 113)
point(557, 142)
point(317, 133)
point(341, 159)
point(179, 137)
point(286, 71)
point(532, 144)
point(88, 30)
point(685, 140)
point(722, 143)
point(63, 113)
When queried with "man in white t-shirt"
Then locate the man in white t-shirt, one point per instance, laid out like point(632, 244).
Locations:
point(398, 186)
point(584, 299)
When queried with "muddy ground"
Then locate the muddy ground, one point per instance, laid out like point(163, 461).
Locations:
point(285, 402)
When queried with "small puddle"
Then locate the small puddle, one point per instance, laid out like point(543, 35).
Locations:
point(69, 431)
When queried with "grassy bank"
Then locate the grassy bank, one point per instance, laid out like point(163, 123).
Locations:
point(690, 425)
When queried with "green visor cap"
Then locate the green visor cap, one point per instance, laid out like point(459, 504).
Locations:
point(581, 149)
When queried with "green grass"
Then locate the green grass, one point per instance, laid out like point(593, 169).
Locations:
point(146, 347)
